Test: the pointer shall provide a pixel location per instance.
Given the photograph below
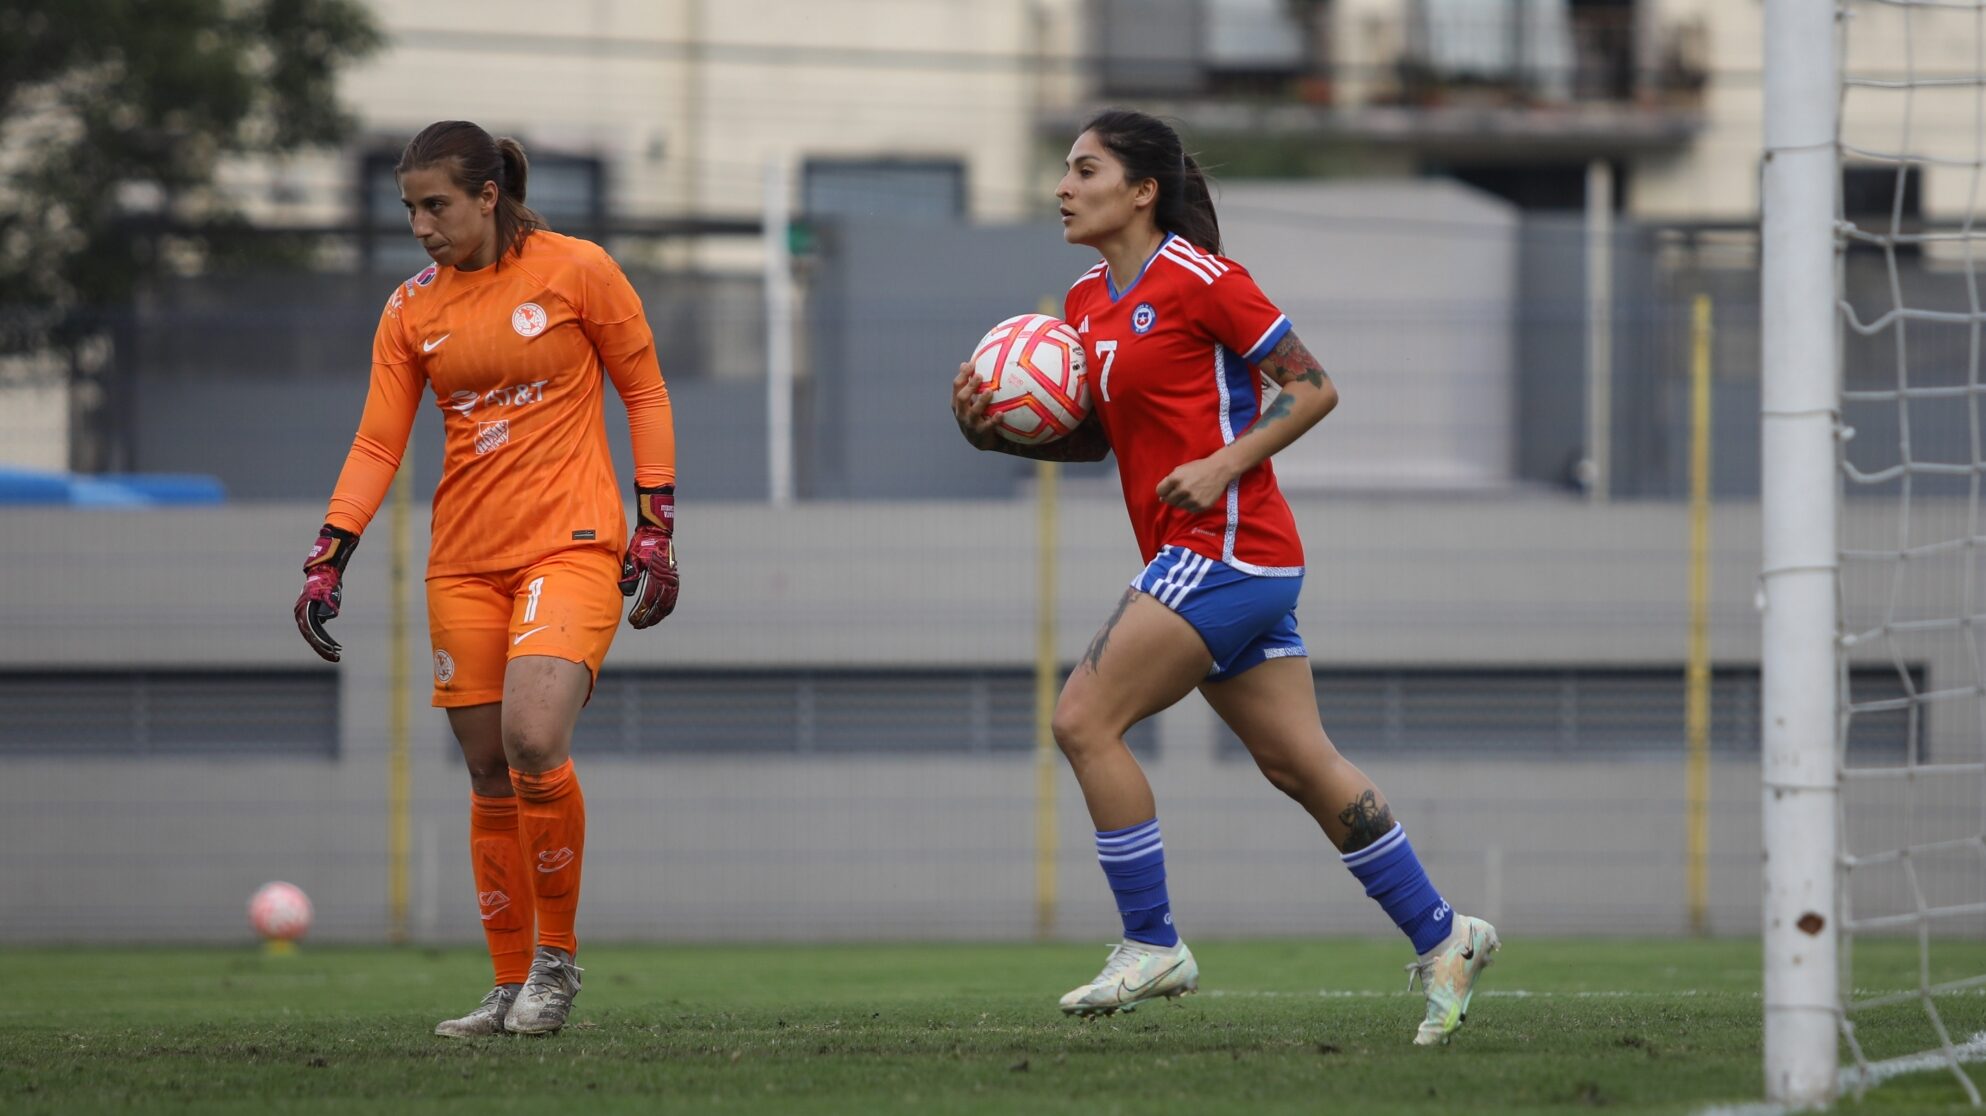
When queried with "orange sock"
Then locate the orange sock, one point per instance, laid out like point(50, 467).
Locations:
point(503, 894)
point(551, 819)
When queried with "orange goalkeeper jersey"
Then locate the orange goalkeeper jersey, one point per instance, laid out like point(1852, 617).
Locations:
point(515, 353)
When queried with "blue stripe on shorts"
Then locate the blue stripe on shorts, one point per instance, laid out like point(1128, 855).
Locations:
point(1242, 619)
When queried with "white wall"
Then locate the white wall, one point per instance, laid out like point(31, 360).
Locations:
point(1406, 291)
point(1717, 177)
point(791, 846)
point(34, 425)
point(714, 845)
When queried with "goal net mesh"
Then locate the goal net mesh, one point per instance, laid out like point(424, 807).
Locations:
point(1913, 600)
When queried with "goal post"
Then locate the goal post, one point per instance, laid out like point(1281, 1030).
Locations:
point(1799, 505)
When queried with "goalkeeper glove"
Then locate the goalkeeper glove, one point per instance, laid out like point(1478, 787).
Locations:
point(323, 574)
point(648, 571)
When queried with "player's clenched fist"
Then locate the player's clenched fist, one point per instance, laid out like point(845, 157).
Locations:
point(648, 571)
point(323, 588)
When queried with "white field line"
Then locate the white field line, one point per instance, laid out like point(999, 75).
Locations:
point(1525, 994)
point(1487, 993)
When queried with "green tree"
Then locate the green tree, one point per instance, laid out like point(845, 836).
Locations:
point(115, 114)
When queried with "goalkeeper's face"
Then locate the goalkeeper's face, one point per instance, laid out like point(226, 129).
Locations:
point(458, 229)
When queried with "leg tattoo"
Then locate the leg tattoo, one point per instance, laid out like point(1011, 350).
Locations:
point(1095, 654)
point(1367, 819)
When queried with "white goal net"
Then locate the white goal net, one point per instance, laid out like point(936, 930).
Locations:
point(1911, 434)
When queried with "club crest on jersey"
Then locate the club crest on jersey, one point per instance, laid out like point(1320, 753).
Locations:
point(1143, 318)
point(529, 319)
point(444, 667)
point(422, 279)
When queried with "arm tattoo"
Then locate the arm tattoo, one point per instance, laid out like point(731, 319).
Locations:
point(1290, 362)
point(1086, 442)
point(1368, 819)
point(1102, 641)
point(1280, 409)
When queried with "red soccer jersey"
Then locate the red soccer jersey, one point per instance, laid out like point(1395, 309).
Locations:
point(1172, 377)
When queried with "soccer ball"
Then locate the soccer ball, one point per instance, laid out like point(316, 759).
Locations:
point(1032, 365)
point(279, 911)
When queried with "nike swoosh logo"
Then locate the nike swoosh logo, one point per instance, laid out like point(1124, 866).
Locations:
point(529, 634)
point(1134, 989)
point(431, 346)
point(1469, 954)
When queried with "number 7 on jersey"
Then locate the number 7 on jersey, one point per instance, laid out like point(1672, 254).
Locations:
point(1109, 351)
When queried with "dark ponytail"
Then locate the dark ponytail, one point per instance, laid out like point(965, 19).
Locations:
point(1149, 148)
point(472, 158)
point(515, 220)
point(1194, 214)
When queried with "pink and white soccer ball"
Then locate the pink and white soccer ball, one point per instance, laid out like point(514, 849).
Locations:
point(1032, 365)
point(279, 911)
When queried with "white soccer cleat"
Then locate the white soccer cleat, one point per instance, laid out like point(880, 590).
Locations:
point(487, 1019)
point(546, 998)
point(1448, 976)
point(1133, 973)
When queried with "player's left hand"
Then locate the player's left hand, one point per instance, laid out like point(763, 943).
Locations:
point(323, 589)
point(1196, 485)
point(648, 570)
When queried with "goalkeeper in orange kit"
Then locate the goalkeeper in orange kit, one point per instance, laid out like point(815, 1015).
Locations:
point(516, 328)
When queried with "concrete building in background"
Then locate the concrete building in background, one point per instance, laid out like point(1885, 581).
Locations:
point(655, 127)
point(1521, 97)
point(960, 108)
point(675, 108)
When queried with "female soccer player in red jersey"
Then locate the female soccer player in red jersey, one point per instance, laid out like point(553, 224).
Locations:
point(1175, 336)
point(516, 328)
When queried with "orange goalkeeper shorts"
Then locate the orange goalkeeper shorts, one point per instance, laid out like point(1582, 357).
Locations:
point(566, 605)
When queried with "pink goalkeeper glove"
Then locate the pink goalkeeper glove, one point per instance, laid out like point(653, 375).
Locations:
point(648, 572)
point(323, 589)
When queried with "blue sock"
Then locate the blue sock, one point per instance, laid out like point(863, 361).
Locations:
point(1393, 875)
point(1134, 861)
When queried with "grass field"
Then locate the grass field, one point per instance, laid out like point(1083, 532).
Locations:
point(1631, 1026)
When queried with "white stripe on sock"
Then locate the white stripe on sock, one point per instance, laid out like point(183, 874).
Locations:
point(1131, 854)
point(1126, 837)
point(1378, 848)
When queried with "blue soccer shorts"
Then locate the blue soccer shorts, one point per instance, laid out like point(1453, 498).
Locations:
point(1243, 619)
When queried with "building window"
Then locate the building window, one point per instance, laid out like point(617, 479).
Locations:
point(1576, 713)
point(1869, 192)
point(1263, 42)
point(826, 712)
point(926, 189)
point(1147, 47)
point(1535, 185)
point(135, 713)
point(568, 191)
